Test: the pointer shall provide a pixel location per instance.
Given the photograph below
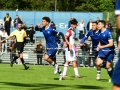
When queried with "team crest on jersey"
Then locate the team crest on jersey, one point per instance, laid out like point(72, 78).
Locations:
point(48, 32)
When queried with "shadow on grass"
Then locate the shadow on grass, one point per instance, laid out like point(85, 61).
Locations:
point(40, 86)
point(104, 80)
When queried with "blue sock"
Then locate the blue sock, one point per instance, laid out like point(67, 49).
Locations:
point(110, 72)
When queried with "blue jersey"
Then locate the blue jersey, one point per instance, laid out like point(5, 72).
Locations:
point(94, 37)
point(104, 38)
point(50, 37)
point(117, 7)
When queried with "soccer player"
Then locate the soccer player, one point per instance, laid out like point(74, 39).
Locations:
point(20, 35)
point(94, 34)
point(116, 73)
point(105, 48)
point(69, 51)
point(51, 43)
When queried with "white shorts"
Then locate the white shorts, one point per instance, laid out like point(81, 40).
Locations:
point(68, 56)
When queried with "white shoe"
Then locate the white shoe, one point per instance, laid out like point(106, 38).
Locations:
point(55, 69)
point(98, 77)
point(61, 77)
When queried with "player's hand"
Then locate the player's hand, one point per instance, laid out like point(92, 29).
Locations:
point(1, 41)
point(38, 25)
point(100, 47)
point(65, 44)
point(119, 45)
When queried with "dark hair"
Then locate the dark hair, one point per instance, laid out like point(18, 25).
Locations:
point(95, 22)
point(46, 18)
point(103, 22)
point(74, 21)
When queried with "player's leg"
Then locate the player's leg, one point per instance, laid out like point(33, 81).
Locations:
point(74, 63)
point(99, 62)
point(65, 68)
point(116, 75)
point(109, 67)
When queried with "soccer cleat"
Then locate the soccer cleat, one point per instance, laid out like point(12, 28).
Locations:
point(78, 76)
point(27, 67)
point(11, 63)
point(56, 69)
point(65, 76)
point(98, 77)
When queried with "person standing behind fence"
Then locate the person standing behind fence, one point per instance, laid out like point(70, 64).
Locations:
point(4, 44)
point(53, 25)
point(16, 21)
point(39, 50)
point(89, 25)
point(81, 28)
point(69, 23)
point(7, 23)
point(31, 33)
point(12, 50)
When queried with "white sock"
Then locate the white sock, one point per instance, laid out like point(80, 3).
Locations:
point(53, 63)
point(65, 69)
point(76, 71)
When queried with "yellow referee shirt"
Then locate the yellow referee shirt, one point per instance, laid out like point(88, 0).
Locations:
point(19, 35)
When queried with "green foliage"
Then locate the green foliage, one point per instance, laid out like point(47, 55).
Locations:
point(62, 5)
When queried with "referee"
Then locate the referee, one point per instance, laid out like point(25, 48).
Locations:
point(20, 35)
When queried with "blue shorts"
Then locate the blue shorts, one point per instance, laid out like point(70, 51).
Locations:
point(52, 53)
point(116, 72)
point(95, 53)
point(106, 55)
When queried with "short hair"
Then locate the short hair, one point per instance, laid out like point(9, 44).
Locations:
point(74, 21)
point(95, 22)
point(103, 22)
point(47, 19)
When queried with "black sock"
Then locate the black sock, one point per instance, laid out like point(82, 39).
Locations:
point(22, 60)
point(15, 57)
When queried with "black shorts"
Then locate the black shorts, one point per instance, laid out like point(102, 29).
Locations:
point(19, 46)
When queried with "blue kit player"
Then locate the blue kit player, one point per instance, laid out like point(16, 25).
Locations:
point(94, 34)
point(116, 73)
point(105, 48)
point(51, 43)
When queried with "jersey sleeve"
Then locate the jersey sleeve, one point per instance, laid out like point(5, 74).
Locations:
point(68, 34)
point(117, 7)
point(110, 36)
point(55, 32)
point(13, 33)
point(85, 37)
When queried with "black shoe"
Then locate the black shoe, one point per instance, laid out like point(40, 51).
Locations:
point(11, 63)
point(27, 67)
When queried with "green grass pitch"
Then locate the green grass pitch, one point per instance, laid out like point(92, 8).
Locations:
point(42, 78)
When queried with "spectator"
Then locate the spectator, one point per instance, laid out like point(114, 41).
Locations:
point(16, 21)
point(98, 19)
point(81, 29)
point(109, 25)
point(12, 50)
point(1, 27)
point(89, 25)
point(7, 23)
point(53, 25)
point(85, 53)
point(25, 28)
point(69, 23)
point(31, 32)
point(4, 44)
point(39, 50)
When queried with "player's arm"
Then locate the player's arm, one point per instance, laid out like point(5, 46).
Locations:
point(83, 39)
point(38, 28)
point(5, 39)
point(25, 35)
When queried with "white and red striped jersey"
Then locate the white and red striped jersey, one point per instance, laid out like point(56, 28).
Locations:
point(70, 35)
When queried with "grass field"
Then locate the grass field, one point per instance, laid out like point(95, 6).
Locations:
point(42, 78)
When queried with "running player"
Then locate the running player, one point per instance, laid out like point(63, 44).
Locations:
point(94, 34)
point(20, 35)
point(105, 48)
point(69, 51)
point(51, 43)
point(116, 73)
